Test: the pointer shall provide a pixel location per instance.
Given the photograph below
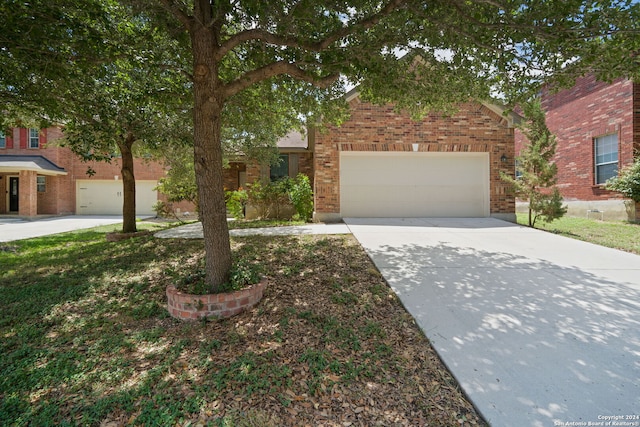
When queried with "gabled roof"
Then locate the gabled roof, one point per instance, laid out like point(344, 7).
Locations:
point(510, 116)
point(293, 139)
point(39, 164)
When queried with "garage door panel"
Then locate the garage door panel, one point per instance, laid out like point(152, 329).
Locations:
point(414, 184)
point(101, 197)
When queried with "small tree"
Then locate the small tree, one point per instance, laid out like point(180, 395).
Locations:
point(301, 196)
point(179, 183)
point(537, 179)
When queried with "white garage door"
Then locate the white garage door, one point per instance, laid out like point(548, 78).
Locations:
point(105, 197)
point(414, 184)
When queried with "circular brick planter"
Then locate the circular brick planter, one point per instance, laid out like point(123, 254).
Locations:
point(192, 307)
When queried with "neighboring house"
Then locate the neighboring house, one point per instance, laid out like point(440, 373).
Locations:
point(381, 163)
point(597, 128)
point(40, 178)
point(296, 156)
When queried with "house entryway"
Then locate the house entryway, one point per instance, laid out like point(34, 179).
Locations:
point(14, 194)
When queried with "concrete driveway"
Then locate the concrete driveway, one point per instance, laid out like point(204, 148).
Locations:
point(539, 329)
point(18, 229)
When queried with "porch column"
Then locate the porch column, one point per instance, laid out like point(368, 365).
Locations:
point(28, 194)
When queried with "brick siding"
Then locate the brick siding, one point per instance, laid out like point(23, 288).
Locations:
point(578, 115)
point(474, 129)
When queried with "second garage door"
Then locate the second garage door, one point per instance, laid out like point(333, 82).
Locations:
point(414, 184)
point(101, 197)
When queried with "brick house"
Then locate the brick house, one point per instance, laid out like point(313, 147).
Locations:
point(40, 178)
point(296, 156)
point(597, 128)
point(381, 163)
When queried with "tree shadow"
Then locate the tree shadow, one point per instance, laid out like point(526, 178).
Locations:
point(523, 336)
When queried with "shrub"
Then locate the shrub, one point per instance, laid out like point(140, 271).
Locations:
point(627, 182)
point(301, 197)
point(162, 209)
point(269, 197)
point(236, 202)
point(242, 275)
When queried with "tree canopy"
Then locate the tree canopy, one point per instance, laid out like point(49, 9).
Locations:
point(257, 68)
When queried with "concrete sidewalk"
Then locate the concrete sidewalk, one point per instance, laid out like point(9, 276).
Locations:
point(194, 231)
point(538, 329)
point(17, 229)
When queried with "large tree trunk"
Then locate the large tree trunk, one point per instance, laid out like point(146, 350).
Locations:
point(128, 185)
point(207, 115)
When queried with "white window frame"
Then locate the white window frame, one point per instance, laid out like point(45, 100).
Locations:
point(518, 172)
point(3, 139)
point(34, 138)
point(606, 157)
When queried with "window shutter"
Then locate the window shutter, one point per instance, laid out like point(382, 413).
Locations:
point(43, 137)
point(293, 165)
point(23, 138)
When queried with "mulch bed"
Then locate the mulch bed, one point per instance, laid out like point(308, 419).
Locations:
point(329, 345)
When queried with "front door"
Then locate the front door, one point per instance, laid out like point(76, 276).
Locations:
point(14, 194)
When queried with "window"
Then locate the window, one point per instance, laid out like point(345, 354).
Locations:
point(518, 170)
point(280, 170)
point(606, 157)
point(34, 138)
point(3, 140)
point(42, 184)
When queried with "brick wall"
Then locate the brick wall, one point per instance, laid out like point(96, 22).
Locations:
point(636, 120)
point(578, 115)
point(305, 165)
point(474, 128)
point(231, 176)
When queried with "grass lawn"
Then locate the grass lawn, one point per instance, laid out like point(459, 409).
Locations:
point(85, 339)
point(614, 234)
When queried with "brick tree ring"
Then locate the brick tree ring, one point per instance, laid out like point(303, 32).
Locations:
point(221, 306)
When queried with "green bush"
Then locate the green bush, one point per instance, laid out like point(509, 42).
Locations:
point(236, 202)
point(269, 197)
point(301, 197)
point(242, 274)
point(627, 182)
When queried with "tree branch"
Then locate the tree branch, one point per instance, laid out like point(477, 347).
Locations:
point(277, 69)
point(177, 12)
point(276, 39)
